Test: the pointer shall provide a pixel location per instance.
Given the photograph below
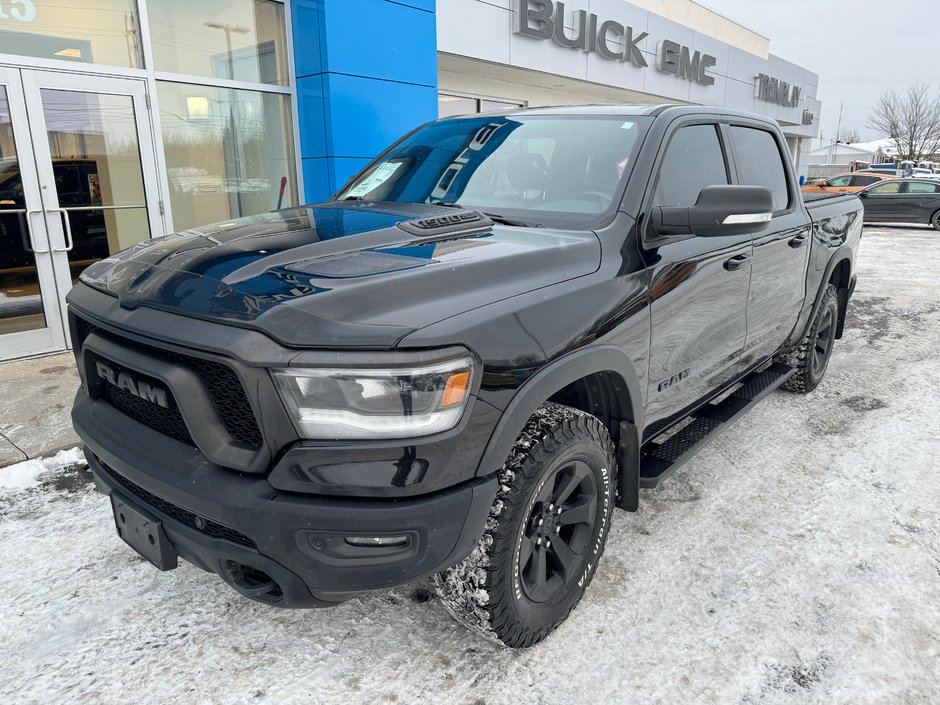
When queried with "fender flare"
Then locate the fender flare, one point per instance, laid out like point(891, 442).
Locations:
point(549, 380)
point(841, 255)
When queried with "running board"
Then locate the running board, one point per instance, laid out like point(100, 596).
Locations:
point(659, 460)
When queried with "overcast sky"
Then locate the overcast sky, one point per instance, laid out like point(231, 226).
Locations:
point(860, 49)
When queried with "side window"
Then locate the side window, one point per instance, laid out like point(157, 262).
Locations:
point(839, 181)
point(918, 187)
point(864, 180)
point(886, 187)
point(759, 163)
point(693, 161)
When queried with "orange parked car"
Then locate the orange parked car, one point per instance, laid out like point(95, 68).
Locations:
point(846, 183)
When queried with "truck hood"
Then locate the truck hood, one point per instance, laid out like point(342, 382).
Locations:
point(341, 274)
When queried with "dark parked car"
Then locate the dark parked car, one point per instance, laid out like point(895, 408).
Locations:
point(903, 201)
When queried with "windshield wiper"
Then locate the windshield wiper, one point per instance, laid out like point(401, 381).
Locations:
point(503, 220)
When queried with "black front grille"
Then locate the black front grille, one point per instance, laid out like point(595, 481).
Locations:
point(222, 384)
point(168, 421)
point(184, 516)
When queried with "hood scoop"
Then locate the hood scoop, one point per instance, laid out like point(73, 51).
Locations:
point(457, 224)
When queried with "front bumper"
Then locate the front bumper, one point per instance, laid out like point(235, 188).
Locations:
point(239, 526)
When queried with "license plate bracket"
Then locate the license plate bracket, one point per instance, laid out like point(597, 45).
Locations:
point(144, 533)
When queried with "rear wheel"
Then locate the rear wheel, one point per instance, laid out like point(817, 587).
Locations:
point(811, 358)
point(545, 533)
point(935, 220)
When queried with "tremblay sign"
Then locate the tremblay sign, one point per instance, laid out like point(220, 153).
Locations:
point(542, 19)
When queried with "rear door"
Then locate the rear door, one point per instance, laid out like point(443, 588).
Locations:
point(881, 201)
point(917, 202)
point(781, 252)
point(698, 290)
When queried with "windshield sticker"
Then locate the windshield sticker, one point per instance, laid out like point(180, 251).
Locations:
point(379, 176)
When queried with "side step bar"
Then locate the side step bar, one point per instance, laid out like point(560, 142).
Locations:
point(658, 460)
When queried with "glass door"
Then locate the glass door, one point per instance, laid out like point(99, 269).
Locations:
point(96, 164)
point(30, 307)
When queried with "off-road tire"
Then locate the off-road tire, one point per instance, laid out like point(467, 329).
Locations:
point(489, 591)
point(809, 359)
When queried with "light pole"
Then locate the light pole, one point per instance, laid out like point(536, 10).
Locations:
point(228, 29)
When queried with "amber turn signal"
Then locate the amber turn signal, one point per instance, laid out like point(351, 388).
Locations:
point(456, 389)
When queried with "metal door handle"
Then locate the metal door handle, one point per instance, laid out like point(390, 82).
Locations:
point(736, 262)
point(66, 221)
point(797, 241)
point(29, 226)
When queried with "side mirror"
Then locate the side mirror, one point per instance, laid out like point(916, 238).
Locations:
point(719, 210)
point(863, 194)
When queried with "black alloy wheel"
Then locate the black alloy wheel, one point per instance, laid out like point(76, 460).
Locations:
point(558, 532)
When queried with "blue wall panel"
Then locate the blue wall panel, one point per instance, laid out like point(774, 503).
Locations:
point(366, 75)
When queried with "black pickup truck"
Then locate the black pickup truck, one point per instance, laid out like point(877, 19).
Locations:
point(455, 368)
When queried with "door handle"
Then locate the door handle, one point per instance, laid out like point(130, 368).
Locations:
point(67, 223)
point(736, 262)
point(29, 227)
point(797, 241)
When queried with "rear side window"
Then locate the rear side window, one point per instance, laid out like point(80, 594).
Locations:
point(864, 180)
point(759, 163)
point(693, 161)
point(917, 187)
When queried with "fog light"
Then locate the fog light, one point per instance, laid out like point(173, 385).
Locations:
point(385, 541)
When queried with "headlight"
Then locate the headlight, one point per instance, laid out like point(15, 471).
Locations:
point(393, 402)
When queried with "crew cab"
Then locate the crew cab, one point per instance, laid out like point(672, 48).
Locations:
point(455, 368)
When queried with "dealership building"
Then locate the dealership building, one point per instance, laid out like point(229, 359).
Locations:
point(122, 120)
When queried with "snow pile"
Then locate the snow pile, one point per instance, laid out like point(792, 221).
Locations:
point(30, 473)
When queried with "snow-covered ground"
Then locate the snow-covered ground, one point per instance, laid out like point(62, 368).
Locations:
point(796, 560)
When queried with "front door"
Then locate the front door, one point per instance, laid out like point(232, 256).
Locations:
point(77, 184)
point(881, 201)
point(698, 291)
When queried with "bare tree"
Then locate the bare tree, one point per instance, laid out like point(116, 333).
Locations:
point(847, 135)
point(912, 121)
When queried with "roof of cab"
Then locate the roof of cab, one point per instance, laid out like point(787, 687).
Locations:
point(626, 110)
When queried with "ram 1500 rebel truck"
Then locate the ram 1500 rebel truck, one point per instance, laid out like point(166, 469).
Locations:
point(499, 329)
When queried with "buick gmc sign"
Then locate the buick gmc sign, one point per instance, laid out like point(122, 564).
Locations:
point(609, 39)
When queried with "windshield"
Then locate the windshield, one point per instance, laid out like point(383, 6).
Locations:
point(534, 169)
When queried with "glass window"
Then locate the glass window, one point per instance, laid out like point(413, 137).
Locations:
point(100, 32)
point(97, 170)
point(919, 187)
point(693, 161)
point(839, 181)
point(20, 296)
point(451, 105)
point(862, 180)
point(244, 40)
point(886, 187)
point(759, 163)
point(229, 153)
point(537, 169)
point(490, 105)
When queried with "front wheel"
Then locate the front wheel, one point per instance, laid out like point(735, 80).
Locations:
point(545, 534)
point(811, 358)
